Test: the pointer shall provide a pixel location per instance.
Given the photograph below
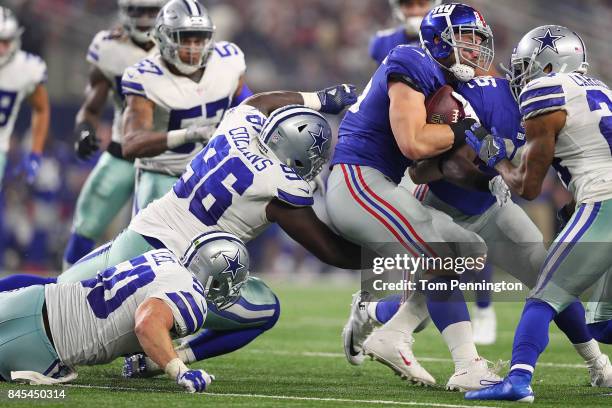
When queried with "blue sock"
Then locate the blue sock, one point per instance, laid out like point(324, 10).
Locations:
point(211, 343)
point(13, 282)
point(387, 307)
point(446, 307)
point(78, 246)
point(602, 331)
point(483, 297)
point(572, 322)
point(530, 338)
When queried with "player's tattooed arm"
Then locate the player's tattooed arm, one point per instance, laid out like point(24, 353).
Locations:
point(330, 100)
point(139, 140)
point(303, 225)
point(416, 139)
point(541, 133)
point(154, 321)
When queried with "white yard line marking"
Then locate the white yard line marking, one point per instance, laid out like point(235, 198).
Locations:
point(430, 359)
point(281, 397)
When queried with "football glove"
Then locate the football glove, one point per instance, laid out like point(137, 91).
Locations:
point(500, 190)
point(86, 141)
point(336, 98)
point(29, 166)
point(489, 147)
point(468, 111)
point(195, 380)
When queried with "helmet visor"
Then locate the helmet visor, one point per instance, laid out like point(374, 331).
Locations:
point(474, 45)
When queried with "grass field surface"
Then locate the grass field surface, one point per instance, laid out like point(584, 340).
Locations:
point(300, 363)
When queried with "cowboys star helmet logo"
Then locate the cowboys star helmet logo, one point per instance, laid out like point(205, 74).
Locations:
point(548, 40)
point(233, 264)
point(318, 140)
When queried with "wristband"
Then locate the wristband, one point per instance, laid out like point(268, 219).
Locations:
point(311, 100)
point(175, 368)
point(176, 138)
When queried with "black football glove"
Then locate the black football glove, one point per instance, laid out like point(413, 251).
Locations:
point(86, 141)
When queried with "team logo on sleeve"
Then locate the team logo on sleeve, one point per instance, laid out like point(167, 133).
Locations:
point(548, 40)
point(319, 140)
point(233, 264)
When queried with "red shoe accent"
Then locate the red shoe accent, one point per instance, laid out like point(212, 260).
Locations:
point(408, 363)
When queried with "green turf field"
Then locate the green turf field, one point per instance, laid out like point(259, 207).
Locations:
point(300, 364)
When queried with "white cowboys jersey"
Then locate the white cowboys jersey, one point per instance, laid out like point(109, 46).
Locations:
point(226, 187)
point(92, 321)
point(19, 77)
point(181, 102)
point(112, 54)
point(583, 151)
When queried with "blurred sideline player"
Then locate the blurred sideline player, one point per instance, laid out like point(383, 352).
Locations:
point(253, 173)
point(177, 98)
point(514, 242)
point(411, 13)
point(46, 331)
point(380, 136)
point(22, 76)
point(111, 183)
point(567, 126)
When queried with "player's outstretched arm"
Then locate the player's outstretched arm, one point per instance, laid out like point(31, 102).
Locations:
point(303, 225)
point(541, 133)
point(88, 117)
point(329, 100)
point(154, 320)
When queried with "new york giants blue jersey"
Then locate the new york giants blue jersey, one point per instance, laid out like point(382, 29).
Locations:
point(365, 136)
point(385, 40)
point(495, 106)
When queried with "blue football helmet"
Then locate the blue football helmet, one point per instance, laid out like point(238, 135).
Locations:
point(449, 28)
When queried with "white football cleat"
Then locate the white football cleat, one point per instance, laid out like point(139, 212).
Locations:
point(394, 349)
point(484, 325)
point(601, 372)
point(477, 376)
point(357, 328)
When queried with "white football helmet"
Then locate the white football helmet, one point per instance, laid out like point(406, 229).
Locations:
point(138, 17)
point(179, 22)
point(220, 261)
point(11, 32)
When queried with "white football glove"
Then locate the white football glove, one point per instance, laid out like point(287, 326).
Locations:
point(195, 380)
point(318, 184)
point(467, 108)
point(500, 190)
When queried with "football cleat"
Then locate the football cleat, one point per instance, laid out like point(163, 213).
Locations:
point(601, 372)
point(506, 390)
point(484, 325)
point(477, 376)
point(394, 349)
point(357, 328)
point(140, 366)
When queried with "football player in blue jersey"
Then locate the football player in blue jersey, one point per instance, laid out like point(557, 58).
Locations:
point(568, 126)
point(514, 243)
point(410, 13)
point(379, 137)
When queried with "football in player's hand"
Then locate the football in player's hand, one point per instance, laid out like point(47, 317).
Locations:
point(443, 108)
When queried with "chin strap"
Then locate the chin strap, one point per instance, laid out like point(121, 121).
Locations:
point(462, 72)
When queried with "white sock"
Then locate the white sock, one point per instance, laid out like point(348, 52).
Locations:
point(371, 310)
point(409, 315)
point(589, 351)
point(183, 350)
point(459, 338)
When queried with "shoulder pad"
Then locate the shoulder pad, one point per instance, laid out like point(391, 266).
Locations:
point(542, 95)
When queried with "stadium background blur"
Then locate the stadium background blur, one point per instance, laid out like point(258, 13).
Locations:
point(295, 45)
